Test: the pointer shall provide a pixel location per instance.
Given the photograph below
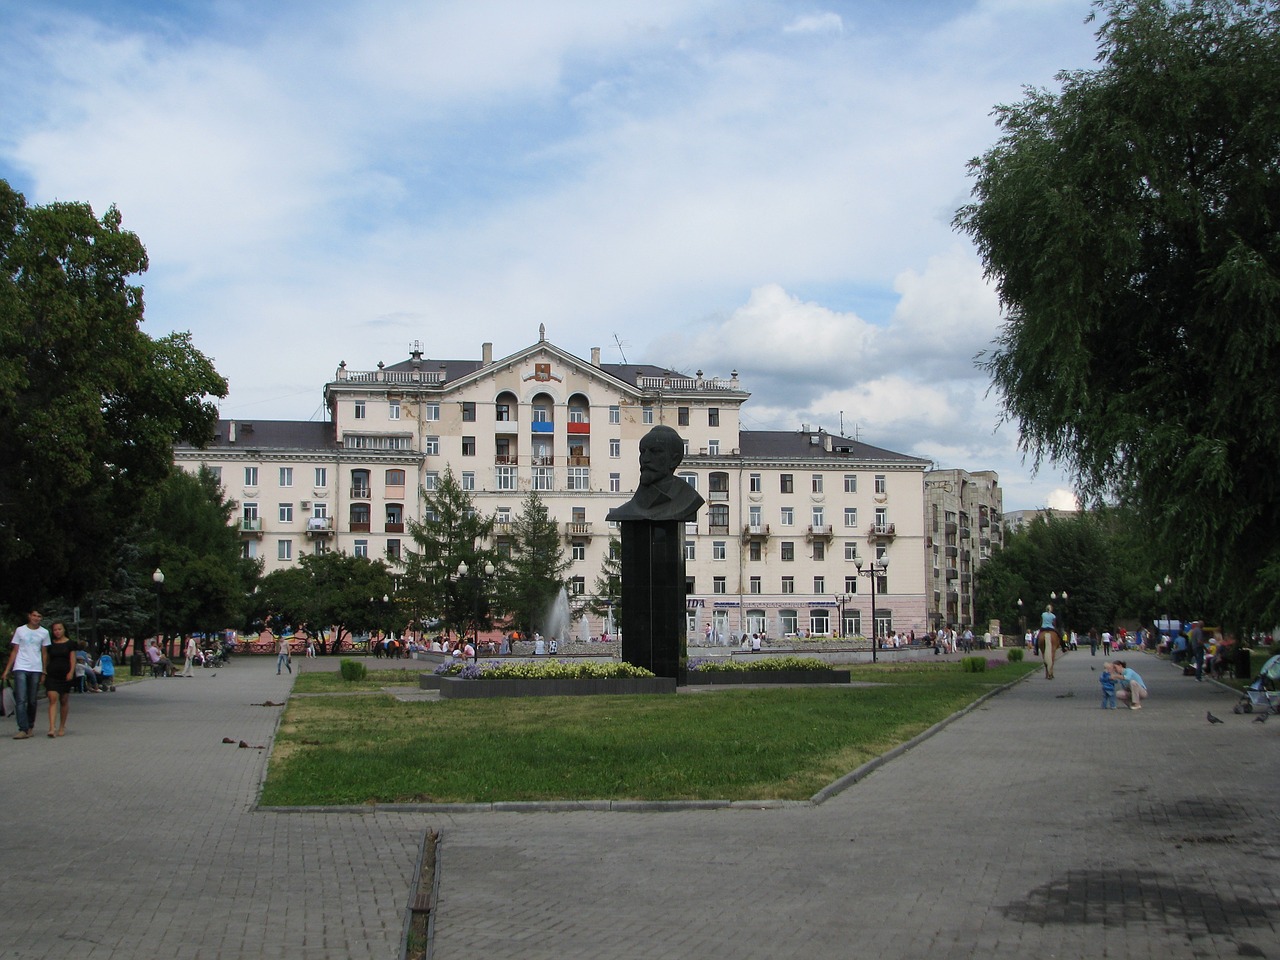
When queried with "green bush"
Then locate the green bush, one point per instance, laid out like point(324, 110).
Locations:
point(352, 670)
point(1016, 654)
point(973, 664)
point(719, 665)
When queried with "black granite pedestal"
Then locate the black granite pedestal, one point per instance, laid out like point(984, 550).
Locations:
point(653, 597)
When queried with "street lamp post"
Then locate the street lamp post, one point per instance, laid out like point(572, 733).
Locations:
point(841, 600)
point(876, 569)
point(1022, 623)
point(477, 586)
point(135, 662)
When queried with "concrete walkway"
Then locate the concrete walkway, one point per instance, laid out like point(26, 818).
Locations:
point(1035, 826)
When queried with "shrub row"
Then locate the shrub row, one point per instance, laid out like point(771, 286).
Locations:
point(724, 665)
point(551, 670)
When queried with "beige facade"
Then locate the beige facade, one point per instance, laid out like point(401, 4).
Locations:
point(965, 523)
point(788, 513)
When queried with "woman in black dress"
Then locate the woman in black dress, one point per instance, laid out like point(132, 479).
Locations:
point(58, 680)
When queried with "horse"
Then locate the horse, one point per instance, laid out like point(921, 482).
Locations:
point(1050, 644)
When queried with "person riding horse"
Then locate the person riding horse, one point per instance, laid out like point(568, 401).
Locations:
point(1049, 639)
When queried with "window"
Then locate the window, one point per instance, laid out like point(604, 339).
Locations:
point(817, 483)
point(719, 585)
point(249, 549)
point(468, 446)
point(753, 585)
point(819, 516)
point(819, 584)
point(579, 550)
point(579, 478)
point(284, 550)
point(615, 448)
point(215, 472)
point(755, 550)
point(502, 412)
point(431, 446)
point(250, 476)
point(682, 416)
point(430, 480)
point(713, 448)
point(431, 410)
point(615, 414)
point(468, 480)
point(819, 550)
point(615, 483)
point(719, 550)
point(713, 416)
point(819, 622)
point(690, 585)
point(286, 476)
point(753, 483)
point(690, 478)
point(320, 510)
point(789, 586)
point(882, 518)
point(503, 515)
point(322, 476)
point(788, 516)
point(393, 410)
point(505, 477)
point(249, 511)
point(321, 548)
point(719, 517)
point(361, 548)
point(850, 551)
point(286, 513)
point(359, 411)
point(468, 411)
point(787, 620)
point(851, 584)
point(880, 483)
point(690, 551)
point(393, 550)
point(850, 483)
point(646, 414)
point(543, 478)
point(578, 586)
point(851, 517)
point(788, 550)
point(578, 415)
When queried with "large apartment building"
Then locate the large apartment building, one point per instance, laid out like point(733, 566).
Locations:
point(788, 517)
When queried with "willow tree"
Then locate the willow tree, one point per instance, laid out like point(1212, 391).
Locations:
point(1129, 223)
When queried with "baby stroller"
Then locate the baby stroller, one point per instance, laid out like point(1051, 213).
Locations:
point(1261, 695)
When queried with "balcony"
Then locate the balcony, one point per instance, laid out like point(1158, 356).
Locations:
point(952, 574)
point(718, 528)
point(359, 526)
point(393, 491)
point(580, 461)
point(577, 528)
point(506, 459)
point(542, 460)
point(503, 528)
point(319, 527)
point(394, 527)
point(361, 493)
point(952, 551)
point(820, 531)
point(251, 526)
point(578, 427)
point(950, 527)
point(882, 531)
point(542, 426)
point(755, 531)
point(714, 495)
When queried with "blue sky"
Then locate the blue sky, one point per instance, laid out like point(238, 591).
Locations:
point(718, 184)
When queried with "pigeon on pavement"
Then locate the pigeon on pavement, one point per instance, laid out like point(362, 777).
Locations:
point(1211, 718)
point(1261, 718)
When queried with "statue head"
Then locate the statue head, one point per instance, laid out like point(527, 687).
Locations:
point(661, 451)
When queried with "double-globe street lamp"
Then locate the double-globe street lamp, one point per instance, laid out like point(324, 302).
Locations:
point(135, 661)
point(477, 587)
point(877, 569)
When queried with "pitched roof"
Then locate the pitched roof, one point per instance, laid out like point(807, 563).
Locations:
point(799, 444)
point(272, 435)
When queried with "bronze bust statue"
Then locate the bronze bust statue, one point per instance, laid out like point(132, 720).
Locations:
point(661, 495)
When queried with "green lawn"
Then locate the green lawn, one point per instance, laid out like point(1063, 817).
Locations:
point(725, 744)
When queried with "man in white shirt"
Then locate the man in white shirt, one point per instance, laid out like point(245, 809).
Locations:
point(28, 662)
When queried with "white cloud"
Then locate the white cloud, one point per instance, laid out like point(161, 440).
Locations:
point(816, 23)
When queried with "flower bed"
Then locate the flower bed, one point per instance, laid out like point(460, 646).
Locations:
point(553, 679)
point(707, 671)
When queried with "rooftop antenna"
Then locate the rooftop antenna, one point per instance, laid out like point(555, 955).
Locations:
point(620, 350)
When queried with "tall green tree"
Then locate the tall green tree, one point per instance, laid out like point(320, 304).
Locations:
point(90, 406)
point(333, 592)
point(533, 575)
point(1129, 221)
point(451, 532)
point(185, 528)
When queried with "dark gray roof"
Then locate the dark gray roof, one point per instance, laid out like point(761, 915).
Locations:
point(273, 435)
point(778, 444)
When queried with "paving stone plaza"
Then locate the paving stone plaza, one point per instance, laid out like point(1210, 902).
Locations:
point(1036, 825)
